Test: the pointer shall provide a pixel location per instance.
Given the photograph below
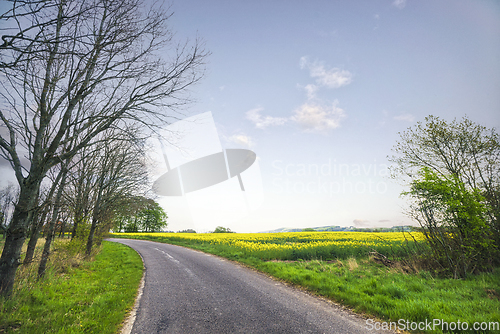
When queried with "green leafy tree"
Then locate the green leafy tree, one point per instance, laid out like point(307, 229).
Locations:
point(152, 218)
point(454, 220)
point(220, 229)
point(126, 214)
point(132, 226)
point(189, 230)
point(453, 171)
point(143, 214)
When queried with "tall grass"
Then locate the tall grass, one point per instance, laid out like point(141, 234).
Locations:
point(77, 295)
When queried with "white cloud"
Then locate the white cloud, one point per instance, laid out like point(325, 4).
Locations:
point(304, 62)
point(242, 140)
point(405, 117)
point(331, 78)
point(311, 91)
point(313, 117)
point(399, 4)
point(263, 122)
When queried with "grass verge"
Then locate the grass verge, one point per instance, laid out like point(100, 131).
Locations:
point(75, 296)
point(370, 288)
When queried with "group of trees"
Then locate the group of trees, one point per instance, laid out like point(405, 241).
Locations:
point(189, 230)
point(453, 173)
point(145, 216)
point(83, 83)
point(221, 229)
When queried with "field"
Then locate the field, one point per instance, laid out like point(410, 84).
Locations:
point(375, 274)
point(293, 245)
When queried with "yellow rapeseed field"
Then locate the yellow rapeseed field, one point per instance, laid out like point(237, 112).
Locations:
point(293, 245)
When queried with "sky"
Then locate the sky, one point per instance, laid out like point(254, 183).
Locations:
point(319, 91)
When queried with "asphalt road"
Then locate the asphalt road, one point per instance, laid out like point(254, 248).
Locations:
point(187, 291)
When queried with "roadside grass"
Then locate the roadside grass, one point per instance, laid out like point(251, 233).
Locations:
point(368, 287)
point(77, 295)
point(390, 294)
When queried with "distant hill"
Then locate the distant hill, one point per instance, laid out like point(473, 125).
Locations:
point(345, 229)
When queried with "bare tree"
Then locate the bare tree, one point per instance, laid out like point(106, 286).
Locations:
point(8, 197)
point(21, 36)
point(71, 70)
point(79, 190)
point(121, 174)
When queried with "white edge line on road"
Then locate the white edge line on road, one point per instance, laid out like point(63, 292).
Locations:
point(170, 256)
point(129, 322)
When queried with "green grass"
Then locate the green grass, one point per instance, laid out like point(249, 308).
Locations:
point(392, 295)
point(83, 297)
point(388, 293)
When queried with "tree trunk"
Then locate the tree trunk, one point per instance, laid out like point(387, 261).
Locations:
point(90, 240)
point(63, 228)
point(16, 234)
point(76, 222)
point(52, 223)
point(39, 220)
point(4, 229)
point(46, 252)
point(96, 213)
point(75, 226)
point(33, 240)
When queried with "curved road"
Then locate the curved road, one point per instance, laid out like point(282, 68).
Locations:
point(188, 291)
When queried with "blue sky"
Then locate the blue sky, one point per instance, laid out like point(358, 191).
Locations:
point(330, 84)
point(320, 89)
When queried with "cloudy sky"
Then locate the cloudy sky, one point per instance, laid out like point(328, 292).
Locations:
point(320, 89)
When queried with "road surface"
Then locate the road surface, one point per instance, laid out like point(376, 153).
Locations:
point(187, 291)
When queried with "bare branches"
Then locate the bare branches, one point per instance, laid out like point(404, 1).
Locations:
point(454, 174)
point(70, 71)
point(93, 65)
point(464, 149)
